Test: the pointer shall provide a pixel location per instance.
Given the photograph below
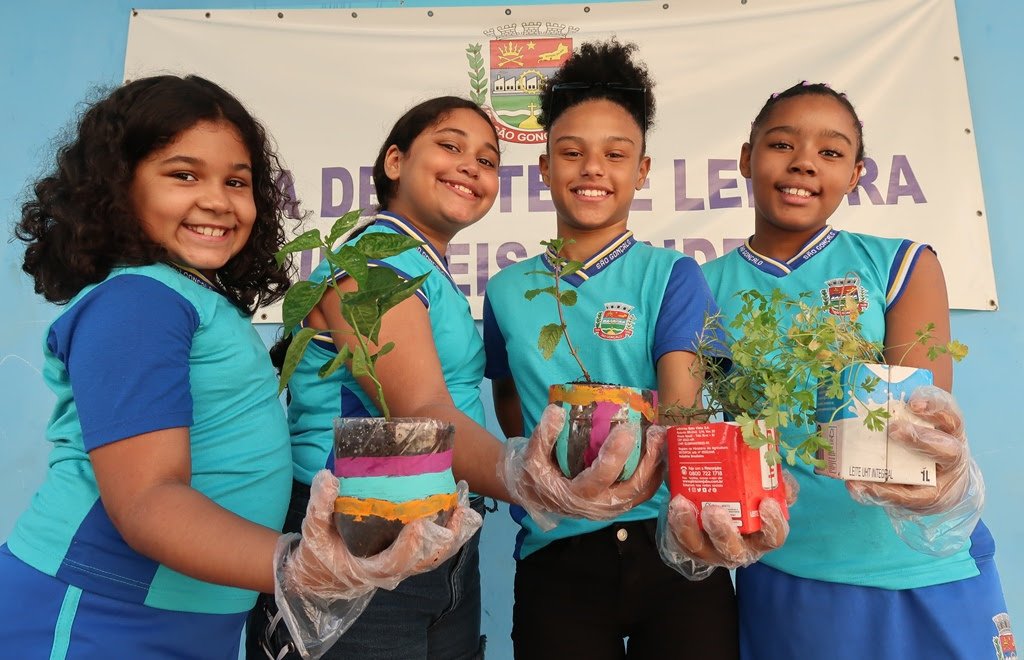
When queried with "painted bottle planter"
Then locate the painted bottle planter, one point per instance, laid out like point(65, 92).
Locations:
point(591, 411)
point(712, 464)
point(859, 453)
point(392, 472)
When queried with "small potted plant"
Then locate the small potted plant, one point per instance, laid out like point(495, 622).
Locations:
point(591, 409)
point(392, 470)
point(778, 345)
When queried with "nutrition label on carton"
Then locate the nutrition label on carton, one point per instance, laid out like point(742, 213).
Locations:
point(703, 443)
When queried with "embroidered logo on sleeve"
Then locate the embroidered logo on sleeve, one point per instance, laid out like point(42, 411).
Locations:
point(615, 321)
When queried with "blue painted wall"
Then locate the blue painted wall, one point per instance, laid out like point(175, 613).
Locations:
point(55, 52)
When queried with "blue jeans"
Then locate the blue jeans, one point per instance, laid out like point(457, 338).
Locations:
point(432, 616)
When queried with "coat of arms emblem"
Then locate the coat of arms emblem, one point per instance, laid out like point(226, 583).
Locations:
point(520, 57)
point(615, 321)
point(844, 296)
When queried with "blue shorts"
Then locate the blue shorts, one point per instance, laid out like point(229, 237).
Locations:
point(51, 620)
point(782, 616)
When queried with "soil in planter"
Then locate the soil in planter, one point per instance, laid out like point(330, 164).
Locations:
point(392, 472)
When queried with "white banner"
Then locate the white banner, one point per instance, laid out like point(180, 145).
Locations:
point(329, 83)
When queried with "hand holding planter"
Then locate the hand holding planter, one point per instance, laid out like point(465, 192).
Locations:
point(695, 552)
point(937, 520)
point(321, 588)
point(538, 485)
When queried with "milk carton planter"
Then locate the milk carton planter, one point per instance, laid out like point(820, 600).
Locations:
point(711, 464)
point(856, 426)
point(591, 411)
point(392, 472)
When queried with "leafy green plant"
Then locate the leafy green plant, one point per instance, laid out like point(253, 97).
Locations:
point(552, 333)
point(379, 289)
point(779, 345)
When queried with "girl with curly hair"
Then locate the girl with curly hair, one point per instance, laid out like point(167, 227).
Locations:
point(585, 586)
point(171, 466)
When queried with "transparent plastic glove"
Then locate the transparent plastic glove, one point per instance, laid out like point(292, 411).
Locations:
point(696, 553)
point(321, 588)
point(935, 520)
point(537, 484)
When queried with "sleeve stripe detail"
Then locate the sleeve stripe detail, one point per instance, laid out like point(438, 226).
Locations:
point(899, 273)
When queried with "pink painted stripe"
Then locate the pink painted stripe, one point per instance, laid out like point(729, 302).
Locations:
point(392, 466)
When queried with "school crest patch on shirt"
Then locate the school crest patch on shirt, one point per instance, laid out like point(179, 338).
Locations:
point(615, 321)
point(844, 296)
point(1004, 643)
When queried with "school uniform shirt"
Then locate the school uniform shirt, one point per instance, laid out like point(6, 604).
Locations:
point(635, 303)
point(317, 401)
point(832, 537)
point(150, 348)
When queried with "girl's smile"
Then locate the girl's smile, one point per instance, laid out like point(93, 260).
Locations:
point(802, 163)
point(593, 166)
point(194, 196)
point(448, 177)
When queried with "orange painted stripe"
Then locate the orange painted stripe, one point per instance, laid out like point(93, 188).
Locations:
point(405, 512)
point(581, 395)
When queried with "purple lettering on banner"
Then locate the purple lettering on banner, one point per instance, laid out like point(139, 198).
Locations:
point(642, 204)
point(305, 264)
point(286, 184)
point(458, 268)
point(684, 203)
point(900, 165)
point(750, 192)
point(483, 267)
point(308, 260)
point(328, 209)
point(867, 182)
point(510, 253)
point(716, 184)
point(505, 175)
point(366, 188)
point(670, 244)
point(536, 186)
point(730, 244)
point(691, 246)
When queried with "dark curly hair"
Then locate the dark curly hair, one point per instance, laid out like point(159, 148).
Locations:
point(79, 223)
point(408, 127)
point(600, 70)
point(804, 88)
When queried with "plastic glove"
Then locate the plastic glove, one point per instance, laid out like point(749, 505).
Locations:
point(321, 588)
point(936, 520)
point(696, 553)
point(537, 484)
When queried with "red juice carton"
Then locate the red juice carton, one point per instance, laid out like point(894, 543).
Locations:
point(710, 464)
point(859, 453)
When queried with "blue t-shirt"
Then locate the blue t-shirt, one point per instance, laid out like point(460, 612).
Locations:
point(317, 401)
point(150, 348)
point(665, 299)
point(832, 537)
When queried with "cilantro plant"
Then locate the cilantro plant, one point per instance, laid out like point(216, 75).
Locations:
point(772, 368)
point(379, 289)
point(552, 333)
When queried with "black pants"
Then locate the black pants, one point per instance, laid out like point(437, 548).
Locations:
point(580, 597)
